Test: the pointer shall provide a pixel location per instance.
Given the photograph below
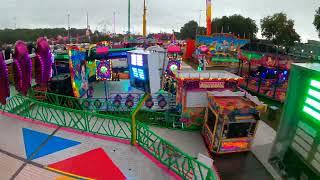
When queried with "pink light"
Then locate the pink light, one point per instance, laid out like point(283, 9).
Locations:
point(102, 50)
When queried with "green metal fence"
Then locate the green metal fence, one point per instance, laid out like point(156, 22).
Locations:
point(161, 119)
point(178, 161)
point(71, 118)
point(107, 107)
point(181, 163)
point(96, 105)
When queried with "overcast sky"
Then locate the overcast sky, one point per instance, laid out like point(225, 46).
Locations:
point(163, 15)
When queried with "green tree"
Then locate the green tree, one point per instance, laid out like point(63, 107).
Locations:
point(279, 29)
point(316, 21)
point(244, 27)
point(201, 31)
point(189, 30)
point(12, 35)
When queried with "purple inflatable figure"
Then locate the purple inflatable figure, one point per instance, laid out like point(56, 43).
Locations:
point(4, 81)
point(22, 67)
point(43, 62)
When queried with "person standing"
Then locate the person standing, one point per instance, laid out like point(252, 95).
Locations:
point(1, 51)
point(8, 53)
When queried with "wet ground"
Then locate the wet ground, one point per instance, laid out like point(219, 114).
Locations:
point(241, 166)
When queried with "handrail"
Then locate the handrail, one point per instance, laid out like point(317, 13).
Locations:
point(175, 159)
point(102, 105)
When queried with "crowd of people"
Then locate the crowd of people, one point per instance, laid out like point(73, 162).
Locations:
point(8, 50)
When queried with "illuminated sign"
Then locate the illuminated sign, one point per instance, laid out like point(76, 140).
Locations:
point(134, 59)
point(234, 145)
point(137, 66)
point(139, 60)
point(144, 67)
point(211, 85)
point(312, 102)
point(173, 67)
point(104, 70)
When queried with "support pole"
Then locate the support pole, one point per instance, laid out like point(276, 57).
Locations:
point(209, 9)
point(114, 22)
point(129, 16)
point(144, 20)
point(133, 118)
point(69, 36)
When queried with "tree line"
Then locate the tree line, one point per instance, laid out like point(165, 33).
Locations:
point(277, 28)
point(10, 36)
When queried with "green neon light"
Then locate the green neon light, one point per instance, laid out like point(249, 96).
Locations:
point(225, 59)
point(311, 112)
point(315, 84)
point(313, 103)
point(252, 55)
point(314, 93)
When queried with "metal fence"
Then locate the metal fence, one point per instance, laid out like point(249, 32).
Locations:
point(92, 122)
point(178, 161)
point(114, 107)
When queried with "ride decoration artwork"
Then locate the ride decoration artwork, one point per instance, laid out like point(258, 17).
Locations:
point(43, 62)
point(129, 101)
point(161, 101)
point(104, 70)
point(149, 103)
point(173, 67)
point(201, 54)
point(97, 104)
point(117, 100)
point(22, 68)
point(79, 72)
point(86, 104)
point(4, 81)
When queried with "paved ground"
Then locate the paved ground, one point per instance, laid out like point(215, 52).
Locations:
point(238, 166)
point(16, 143)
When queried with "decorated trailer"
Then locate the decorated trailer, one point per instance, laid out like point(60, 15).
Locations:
point(231, 121)
point(192, 90)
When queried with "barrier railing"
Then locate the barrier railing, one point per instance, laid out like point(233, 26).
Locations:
point(161, 119)
point(96, 105)
point(181, 163)
point(71, 118)
point(107, 106)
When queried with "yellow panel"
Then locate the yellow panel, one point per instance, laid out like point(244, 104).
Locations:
point(64, 178)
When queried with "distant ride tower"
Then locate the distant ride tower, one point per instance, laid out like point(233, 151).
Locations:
point(129, 15)
point(88, 31)
point(209, 9)
point(144, 20)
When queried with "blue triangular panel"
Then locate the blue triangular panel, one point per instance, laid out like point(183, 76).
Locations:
point(33, 139)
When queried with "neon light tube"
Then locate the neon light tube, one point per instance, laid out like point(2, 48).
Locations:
point(313, 103)
point(314, 93)
point(311, 112)
point(315, 84)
